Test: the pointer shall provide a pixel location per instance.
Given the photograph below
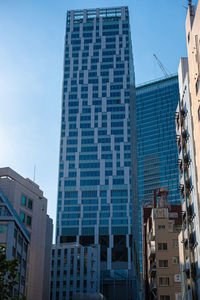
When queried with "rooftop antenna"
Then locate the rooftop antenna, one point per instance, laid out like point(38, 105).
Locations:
point(161, 66)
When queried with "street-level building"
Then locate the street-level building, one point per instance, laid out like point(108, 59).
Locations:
point(31, 206)
point(75, 271)
point(162, 225)
point(15, 239)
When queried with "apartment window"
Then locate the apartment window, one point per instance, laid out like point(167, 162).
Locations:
point(28, 221)
point(164, 297)
point(23, 200)
point(162, 246)
point(175, 243)
point(163, 281)
point(22, 217)
point(161, 227)
point(163, 263)
point(175, 259)
point(197, 85)
point(199, 113)
point(30, 203)
point(188, 37)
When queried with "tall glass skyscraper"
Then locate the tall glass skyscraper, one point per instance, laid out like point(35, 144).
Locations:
point(97, 144)
point(156, 104)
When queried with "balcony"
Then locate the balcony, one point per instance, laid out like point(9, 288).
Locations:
point(181, 188)
point(177, 120)
point(188, 187)
point(185, 136)
point(180, 165)
point(178, 140)
point(193, 271)
point(151, 235)
point(152, 271)
point(191, 240)
point(152, 251)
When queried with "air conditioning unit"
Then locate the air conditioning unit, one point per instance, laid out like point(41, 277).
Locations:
point(177, 278)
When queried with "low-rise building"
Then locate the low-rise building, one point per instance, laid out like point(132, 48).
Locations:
point(75, 270)
point(15, 239)
point(162, 224)
point(31, 206)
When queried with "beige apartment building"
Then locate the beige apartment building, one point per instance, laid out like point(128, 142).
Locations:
point(30, 204)
point(188, 138)
point(162, 224)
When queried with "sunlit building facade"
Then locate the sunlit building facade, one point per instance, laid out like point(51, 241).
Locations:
point(95, 192)
point(157, 153)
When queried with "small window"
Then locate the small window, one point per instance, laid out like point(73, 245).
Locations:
point(22, 217)
point(175, 243)
point(163, 281)
point(188, 37)
point(23, 202)
point(3, 228)
point(199, 113)
point(30, 203)
point(175, 259)
point(164, 297)
point(161, 227)
point(197, 86)
point(162, 246)
point(163, 263)
point(28, 221)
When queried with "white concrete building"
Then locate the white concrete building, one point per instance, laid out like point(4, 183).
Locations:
point(31, 206)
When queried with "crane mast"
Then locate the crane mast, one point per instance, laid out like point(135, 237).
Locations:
point(161, 66)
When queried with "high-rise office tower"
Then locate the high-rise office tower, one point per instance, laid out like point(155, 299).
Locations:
point(95, 192)
point(157, 153)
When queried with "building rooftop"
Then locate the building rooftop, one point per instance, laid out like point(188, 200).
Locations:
point(79, 16)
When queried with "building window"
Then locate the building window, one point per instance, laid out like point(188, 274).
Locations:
point(163, 281)
point(28, 221)
point(175, 243)
point(188, 37)
point(197, 85)
point(160, 227)
point(23, 200)
point(164, 297)
point(30, 204)
point(175, 259)
point(199, 113)
point(163, 263)
point(3, 228)
point(162, 246)
point(22, 217)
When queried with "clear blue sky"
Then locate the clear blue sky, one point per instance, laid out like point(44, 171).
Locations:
point(31, 61)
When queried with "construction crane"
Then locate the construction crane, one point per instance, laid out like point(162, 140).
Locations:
point(161, 66)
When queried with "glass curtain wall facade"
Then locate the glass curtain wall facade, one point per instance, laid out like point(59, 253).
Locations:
point(95, 192)
point(156, 104)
